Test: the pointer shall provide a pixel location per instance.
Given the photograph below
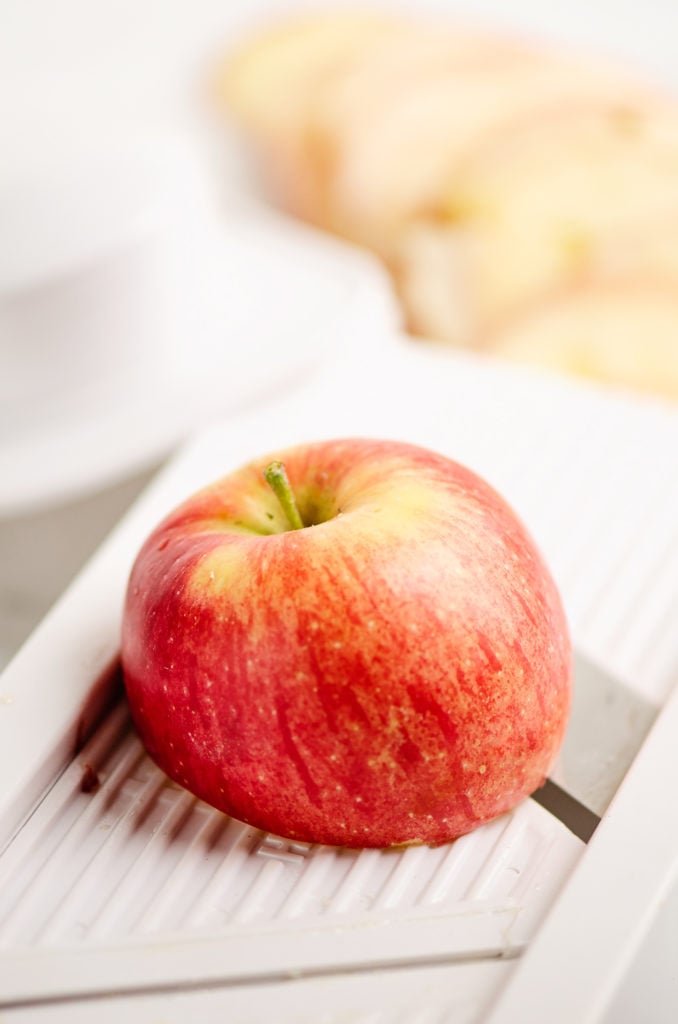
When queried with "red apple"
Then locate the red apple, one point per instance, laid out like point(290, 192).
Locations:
point(393, 667)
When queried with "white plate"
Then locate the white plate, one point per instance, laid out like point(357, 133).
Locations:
point(274, 303)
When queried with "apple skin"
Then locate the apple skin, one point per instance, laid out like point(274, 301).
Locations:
point(399, 672)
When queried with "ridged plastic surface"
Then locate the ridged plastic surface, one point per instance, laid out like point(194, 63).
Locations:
point(117, 851)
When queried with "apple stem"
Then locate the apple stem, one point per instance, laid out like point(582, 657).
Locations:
point(278, 481)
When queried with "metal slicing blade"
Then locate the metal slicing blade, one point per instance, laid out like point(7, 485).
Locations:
point(608, 725)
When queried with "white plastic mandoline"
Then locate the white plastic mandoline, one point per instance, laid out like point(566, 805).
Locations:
point(123, 898)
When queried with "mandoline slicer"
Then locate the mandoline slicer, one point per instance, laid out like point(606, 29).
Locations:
point(122, 897)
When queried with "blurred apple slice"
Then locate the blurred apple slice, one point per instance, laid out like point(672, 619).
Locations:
point(540, 207)
point(490, 173)
point(384, 77)
point(270, 81)
point(622, 332)
point(439, 286)
point(401, 159)
point(271, 76)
